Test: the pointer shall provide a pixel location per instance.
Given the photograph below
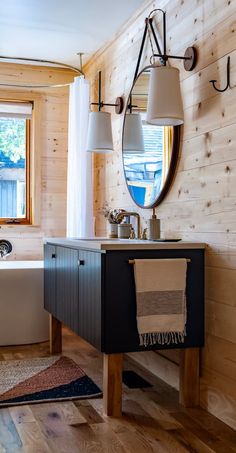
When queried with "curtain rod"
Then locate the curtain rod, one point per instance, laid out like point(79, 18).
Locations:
point(33, 86)
point(62, 65)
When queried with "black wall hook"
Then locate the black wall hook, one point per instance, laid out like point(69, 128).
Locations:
point(228, 78)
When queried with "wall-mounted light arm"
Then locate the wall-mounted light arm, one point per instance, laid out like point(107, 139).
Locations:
point(190, 58)
point(119, 104)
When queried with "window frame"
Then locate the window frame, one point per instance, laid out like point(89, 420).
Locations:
point(27, 220)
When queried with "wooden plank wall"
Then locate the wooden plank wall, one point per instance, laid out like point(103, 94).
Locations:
point(201, 205)
point(52, 149)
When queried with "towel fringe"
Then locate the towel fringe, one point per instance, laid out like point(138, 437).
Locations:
point(149, 339)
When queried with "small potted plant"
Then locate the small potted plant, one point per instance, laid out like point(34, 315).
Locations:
point(111, 215)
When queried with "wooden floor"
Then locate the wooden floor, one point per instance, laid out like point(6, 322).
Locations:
point(153, 420)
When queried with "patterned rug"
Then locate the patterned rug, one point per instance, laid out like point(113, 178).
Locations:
point(40, 380)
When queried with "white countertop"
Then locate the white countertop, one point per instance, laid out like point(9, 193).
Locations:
point(103, 244)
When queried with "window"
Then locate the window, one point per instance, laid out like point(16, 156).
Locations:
point(15, 119)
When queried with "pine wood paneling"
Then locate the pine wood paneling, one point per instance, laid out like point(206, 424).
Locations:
point(209, 148)
point(219, 355)
point(201, 204)
point(225, 290)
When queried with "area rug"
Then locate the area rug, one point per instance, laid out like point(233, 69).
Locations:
point(38, 380)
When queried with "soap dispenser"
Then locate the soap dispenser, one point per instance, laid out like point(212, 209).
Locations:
point(154, 226)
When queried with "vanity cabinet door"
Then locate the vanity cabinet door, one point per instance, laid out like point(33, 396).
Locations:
point(73, 290)
point(90, 318)
point(67, 287)
point(50, 278)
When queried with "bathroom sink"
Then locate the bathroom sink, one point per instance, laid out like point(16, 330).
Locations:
point(147, 240)
point(98, 239)
point(102, 239)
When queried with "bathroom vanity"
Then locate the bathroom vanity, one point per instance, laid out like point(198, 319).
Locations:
point(89, 287)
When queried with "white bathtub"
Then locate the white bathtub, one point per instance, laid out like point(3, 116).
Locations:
point(23, 319)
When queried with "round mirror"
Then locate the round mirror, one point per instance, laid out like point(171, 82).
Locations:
point(150, 152)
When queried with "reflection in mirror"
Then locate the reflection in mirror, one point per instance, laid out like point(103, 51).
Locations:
point(147, 149)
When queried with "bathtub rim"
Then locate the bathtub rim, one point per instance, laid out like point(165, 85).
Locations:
point(22, 264)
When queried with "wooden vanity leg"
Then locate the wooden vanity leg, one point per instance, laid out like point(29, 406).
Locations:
point(112, 384)
point(189, 377)
point(55, 337)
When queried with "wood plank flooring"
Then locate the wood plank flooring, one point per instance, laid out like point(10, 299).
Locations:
point(153, 420)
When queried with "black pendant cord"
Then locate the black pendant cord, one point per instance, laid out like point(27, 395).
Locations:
point(100, 103)
point(148, 22)
point(228, 79)
point(162, 55)
point(141, 49)
point(157, 44)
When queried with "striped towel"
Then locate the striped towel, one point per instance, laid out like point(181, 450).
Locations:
point(160, 298)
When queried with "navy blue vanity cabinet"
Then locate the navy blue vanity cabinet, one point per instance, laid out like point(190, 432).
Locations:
point(91, 289)
point(93, 293)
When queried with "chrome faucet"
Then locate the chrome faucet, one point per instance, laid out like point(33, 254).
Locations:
point(121, 215)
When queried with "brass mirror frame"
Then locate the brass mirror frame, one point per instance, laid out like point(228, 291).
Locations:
point(174, 156)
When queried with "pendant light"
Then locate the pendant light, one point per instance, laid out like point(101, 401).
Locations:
point(133, 141)
point(99, 138)
point(99, 133)
point(165, 106)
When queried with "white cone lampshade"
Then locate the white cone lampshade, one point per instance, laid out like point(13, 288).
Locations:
point(165, 107)
point(99, 133)
point(133, 141)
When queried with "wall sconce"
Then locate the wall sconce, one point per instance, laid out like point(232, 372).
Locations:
point(165, 106)
point(99, 139)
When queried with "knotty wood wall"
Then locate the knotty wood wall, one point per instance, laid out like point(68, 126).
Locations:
point(201, 205)
point(51, 155)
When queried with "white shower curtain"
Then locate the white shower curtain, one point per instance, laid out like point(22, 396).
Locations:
point(79, 174)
